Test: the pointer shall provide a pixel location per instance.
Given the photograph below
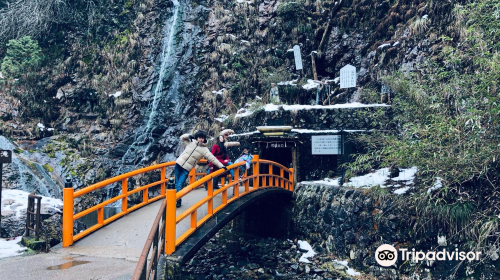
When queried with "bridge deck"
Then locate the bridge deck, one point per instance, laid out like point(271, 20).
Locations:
point(109, 253)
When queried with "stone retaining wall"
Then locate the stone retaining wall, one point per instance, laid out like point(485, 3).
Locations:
point(353, 223)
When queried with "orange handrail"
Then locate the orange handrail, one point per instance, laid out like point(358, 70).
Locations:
point(260, 180)
point(69, 196)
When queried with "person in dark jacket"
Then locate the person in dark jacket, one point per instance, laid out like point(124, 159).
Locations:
point(196, 148)
point(219, 150)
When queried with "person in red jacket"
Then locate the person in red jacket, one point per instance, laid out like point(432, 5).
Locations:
point(219, 150)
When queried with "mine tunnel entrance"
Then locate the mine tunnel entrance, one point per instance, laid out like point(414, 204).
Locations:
point(278, 152)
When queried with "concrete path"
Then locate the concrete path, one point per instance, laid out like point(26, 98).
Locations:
point(111, 252)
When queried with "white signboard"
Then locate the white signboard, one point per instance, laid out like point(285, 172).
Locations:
point(348, 76)
point(298, 57)
point(326, 145)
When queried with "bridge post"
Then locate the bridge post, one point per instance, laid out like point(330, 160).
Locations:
point(162, 178)
point(237, 179)
point(290, 188)
point(192, 175)
point(124, 192)
point(255, 167)
point(68, 197)
point(170, 220)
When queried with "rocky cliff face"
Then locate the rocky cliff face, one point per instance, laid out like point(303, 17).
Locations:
point(124, 96)
point(353, 223)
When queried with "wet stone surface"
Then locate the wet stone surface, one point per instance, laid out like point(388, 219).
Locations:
point(232, 255)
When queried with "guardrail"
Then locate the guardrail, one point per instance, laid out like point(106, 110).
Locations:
point(33, 215)
point(69, 195)
point(170, 219)
point(154, 243)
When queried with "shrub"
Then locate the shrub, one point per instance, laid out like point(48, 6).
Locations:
point(22, 54)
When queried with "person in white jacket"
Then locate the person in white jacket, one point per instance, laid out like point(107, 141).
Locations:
point(196, 149)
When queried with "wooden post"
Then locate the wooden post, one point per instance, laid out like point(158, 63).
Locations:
point(315, 74)
point(192, 175)
point(67, 234)
point(162, 177)
point(255, 167)
point(170, 219)
point(124, 192)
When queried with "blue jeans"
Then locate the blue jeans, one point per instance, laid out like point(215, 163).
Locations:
point(181, 175)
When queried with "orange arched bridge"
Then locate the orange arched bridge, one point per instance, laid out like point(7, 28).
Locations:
point(178, 233)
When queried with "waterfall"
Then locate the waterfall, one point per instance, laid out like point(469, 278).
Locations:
point(144, 137)
point(168, 62)
point(165, 67)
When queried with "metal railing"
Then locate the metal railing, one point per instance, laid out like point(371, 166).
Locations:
point(69, 195)
point(33, 215)
point(154, 245)
point(170, 219)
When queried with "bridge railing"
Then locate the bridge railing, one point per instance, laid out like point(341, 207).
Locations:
point(69, 196)
point(167, 220)
point(260, 178)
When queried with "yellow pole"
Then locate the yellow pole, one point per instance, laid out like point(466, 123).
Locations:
point(170, 222)
point(210, 193)
point(291, 179)
point(282, 176)
point(192, 175)
point(124, 191)
point(237, 179)
point(162, 177)
point(256, 171)
point(67, 234)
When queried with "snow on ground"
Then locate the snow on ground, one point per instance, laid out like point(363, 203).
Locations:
point(311, 84)
point(324, 131)
point(288, 83)
point(42, 127)
point(406, 174)
point(272, 107)
point(274, 127)
point(221, 92)
point(221, 118)
point(437, 185)
point(383, 46)
point(369, 180)
point(243, 113)
point(244, 134)
point(402, 190)
point(17, 200)
point(379, 177)
point(10, 248)
point(116, 94)
point(310, 252)
point(349, 270)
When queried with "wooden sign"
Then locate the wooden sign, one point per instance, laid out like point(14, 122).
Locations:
point(298, 57)
point(348, 76)
point(326, 145)
point(5, 156)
